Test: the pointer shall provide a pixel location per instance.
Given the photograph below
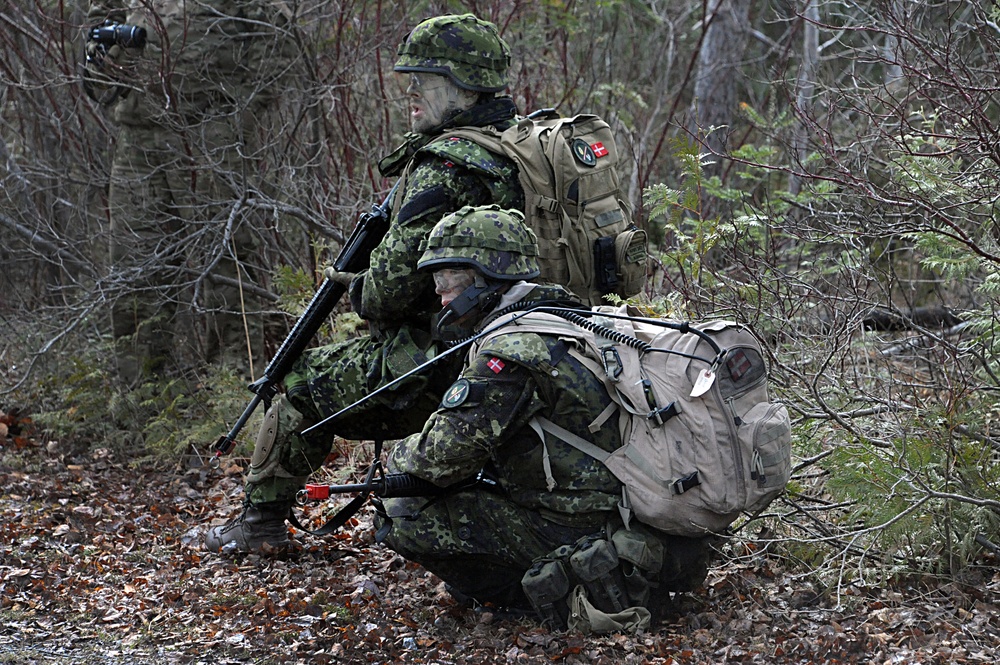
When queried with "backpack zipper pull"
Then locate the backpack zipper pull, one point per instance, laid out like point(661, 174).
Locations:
point(704, 382)
point(707, 376)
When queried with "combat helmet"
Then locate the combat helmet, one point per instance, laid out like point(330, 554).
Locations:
point(464, 48)
point(495, 241)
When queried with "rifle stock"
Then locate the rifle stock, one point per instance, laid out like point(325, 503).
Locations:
point(353, 257)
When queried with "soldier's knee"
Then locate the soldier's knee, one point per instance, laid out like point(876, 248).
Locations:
point(272, 449)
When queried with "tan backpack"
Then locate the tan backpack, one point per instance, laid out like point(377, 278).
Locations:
point(568, 168)
point(701, 440)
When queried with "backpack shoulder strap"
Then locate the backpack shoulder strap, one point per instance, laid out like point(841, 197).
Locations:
point(519, 322)
point(563, 434)
point(470, 147)
point(487, 137)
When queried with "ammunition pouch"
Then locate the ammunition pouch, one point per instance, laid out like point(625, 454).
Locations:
point(641, 556)
point(547, 586)
point(597, 584)
point(595, 563)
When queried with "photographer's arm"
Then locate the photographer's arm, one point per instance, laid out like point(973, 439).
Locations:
point(104, 36)
point(106, 10)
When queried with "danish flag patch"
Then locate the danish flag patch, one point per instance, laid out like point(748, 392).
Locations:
point(599, 150)
point(496, 365)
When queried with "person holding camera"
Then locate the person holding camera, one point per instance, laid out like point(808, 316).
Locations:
point(190, 86)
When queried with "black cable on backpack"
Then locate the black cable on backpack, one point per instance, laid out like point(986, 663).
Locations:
point(524, 307)
point(634, 342)
point(603, 331)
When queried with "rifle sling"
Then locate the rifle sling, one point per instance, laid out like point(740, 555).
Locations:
point(338, 520)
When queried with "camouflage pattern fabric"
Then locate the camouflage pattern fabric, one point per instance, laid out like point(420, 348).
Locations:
point(399, 303)
point(327, 379)
point(484, 419)
point(479, 542)
point(153, 204)
point(494, 241)
point(483, 422)
point(440, 180)
point(468, 50)
point(224, 57)
point(190, 118)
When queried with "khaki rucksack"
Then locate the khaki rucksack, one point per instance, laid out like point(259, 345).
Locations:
point(568, 168)
point(701, 440)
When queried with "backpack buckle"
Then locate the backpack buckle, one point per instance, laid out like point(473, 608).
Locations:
point(689, 481)
point(612, 362)
point(666, 413)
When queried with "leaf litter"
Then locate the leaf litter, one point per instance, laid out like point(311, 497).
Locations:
point(101, 564)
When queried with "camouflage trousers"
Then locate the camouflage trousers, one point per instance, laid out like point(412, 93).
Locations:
point(482, 544)
point(327, 380)
point(180, 237)
point(479, 542)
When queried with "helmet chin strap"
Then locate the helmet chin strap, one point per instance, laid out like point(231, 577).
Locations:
point(461, 315)
point(462, 102)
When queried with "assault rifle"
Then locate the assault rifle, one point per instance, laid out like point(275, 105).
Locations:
point(353, 257)
point(379, 485)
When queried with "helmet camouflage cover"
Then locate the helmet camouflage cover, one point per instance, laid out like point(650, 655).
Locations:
point(462, 47)
point(495, 241)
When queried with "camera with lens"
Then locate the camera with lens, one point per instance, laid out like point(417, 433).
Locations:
point(120, 34)
point(100, 80)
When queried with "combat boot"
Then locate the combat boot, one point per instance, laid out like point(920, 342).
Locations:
point(256, 526)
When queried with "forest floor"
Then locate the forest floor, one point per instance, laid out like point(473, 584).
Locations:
point(101, 564)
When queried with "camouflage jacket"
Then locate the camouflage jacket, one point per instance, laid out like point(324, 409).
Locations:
point(442, 174)
point(484, 420)
point(201, 56)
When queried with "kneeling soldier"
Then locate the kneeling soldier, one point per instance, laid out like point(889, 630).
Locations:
point(546, 533)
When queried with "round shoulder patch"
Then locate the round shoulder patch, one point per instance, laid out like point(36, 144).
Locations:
point(584, 153)
point(456, 395)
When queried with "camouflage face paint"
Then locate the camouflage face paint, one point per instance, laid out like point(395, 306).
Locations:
point(434, 99)
point(449, 283)
point(422, 83)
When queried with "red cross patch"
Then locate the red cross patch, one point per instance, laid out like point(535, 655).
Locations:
point(449, 164)
point(599, 150)
point(496, 365)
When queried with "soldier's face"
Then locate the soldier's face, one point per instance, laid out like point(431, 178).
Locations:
point(434, 99)
point(449, 283)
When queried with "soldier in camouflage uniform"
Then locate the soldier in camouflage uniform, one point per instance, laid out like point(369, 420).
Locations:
point(192, 107)
point(553, 508)
point(455, 69)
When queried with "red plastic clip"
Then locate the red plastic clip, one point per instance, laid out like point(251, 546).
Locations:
point(317, 492)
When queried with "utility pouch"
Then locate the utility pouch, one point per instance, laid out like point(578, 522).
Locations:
point(595, 562)
point(641, 555)
point(631, 248)
point(587, 618)
point(546, 585)
point(605, 266)
point(640, 548)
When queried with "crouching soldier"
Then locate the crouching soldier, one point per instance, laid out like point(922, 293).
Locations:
point(546, 534)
